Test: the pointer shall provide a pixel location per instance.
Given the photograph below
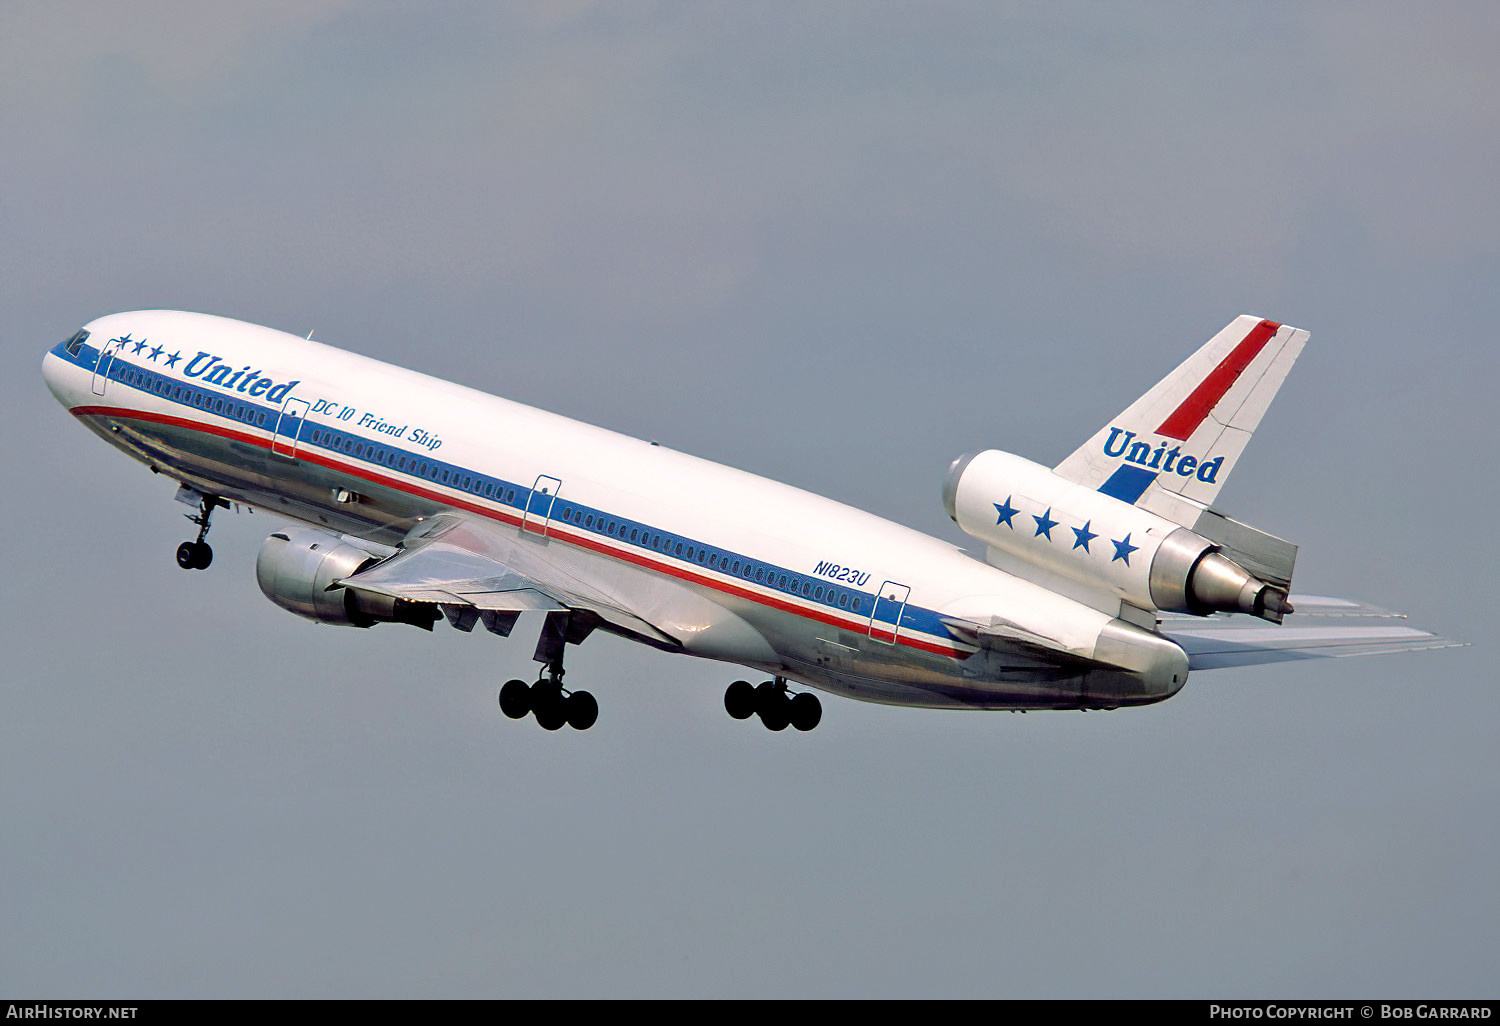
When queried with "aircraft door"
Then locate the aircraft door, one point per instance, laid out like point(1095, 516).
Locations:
point(289, 427)
point(105, 361)
point(539, 504)
point(885, 618)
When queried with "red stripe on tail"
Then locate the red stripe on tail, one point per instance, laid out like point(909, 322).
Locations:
point(1184, 420)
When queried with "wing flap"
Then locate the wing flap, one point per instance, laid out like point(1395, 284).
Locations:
point(445, 573)
point(518, 600)
point(452, 561)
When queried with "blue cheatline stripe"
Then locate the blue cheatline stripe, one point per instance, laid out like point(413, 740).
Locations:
point(1128, 483)
point(421, 466)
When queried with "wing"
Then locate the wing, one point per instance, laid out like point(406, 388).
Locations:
point(471, 569)
point(1216, 642)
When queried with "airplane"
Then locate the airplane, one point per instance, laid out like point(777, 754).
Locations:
point(1100, 583)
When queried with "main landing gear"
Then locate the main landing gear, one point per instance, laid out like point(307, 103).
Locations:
point(773, 704)
point(547, 700)
point(196, 555)
point(551, 704)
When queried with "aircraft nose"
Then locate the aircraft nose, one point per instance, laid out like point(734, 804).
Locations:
point(51, 368)
point(55, 365)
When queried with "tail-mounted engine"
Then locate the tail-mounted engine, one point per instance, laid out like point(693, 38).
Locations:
point(297, 568)
point(1027, 513)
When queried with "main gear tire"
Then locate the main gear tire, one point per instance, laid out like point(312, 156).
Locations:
point(515, 699)
point(739, 700)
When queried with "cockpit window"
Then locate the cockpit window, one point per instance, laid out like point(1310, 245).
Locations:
point(76, 342)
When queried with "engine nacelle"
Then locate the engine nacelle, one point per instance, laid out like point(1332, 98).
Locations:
point(297, 568)
point(1027, 512)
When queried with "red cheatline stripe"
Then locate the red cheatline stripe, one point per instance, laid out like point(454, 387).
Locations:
point(554, 529)
point(1184, 420)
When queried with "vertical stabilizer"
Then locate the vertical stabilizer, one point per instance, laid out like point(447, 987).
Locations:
point(1173, 448)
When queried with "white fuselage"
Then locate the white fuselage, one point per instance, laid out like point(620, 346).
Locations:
point(832, 596)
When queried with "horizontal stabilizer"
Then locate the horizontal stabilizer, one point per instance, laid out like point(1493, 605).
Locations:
point(1214, 646)
point(1305, 606)
point(1323, 605)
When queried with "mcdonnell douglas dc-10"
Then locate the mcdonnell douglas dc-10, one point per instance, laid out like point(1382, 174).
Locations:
point(1103, 581)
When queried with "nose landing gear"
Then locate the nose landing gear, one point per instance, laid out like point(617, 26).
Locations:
point(775, 706)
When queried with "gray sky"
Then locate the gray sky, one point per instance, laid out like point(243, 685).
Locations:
point(836, 244)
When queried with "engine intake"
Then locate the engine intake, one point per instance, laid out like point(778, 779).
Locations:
point(297, 567)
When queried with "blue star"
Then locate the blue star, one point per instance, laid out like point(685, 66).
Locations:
point(173, 358)
point(1006, 512)
point(139, 346)
point(1044, 524)
point(155, 352)
point(122, 340)
point(1082, 536)
point(1123, 549)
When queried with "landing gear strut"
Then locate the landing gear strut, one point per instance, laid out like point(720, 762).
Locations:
point(547, 699)
point(775, 706)
point(196, 555)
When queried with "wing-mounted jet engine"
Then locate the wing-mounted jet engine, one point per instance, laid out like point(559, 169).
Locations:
point(1127, 514)
point(299, 568)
